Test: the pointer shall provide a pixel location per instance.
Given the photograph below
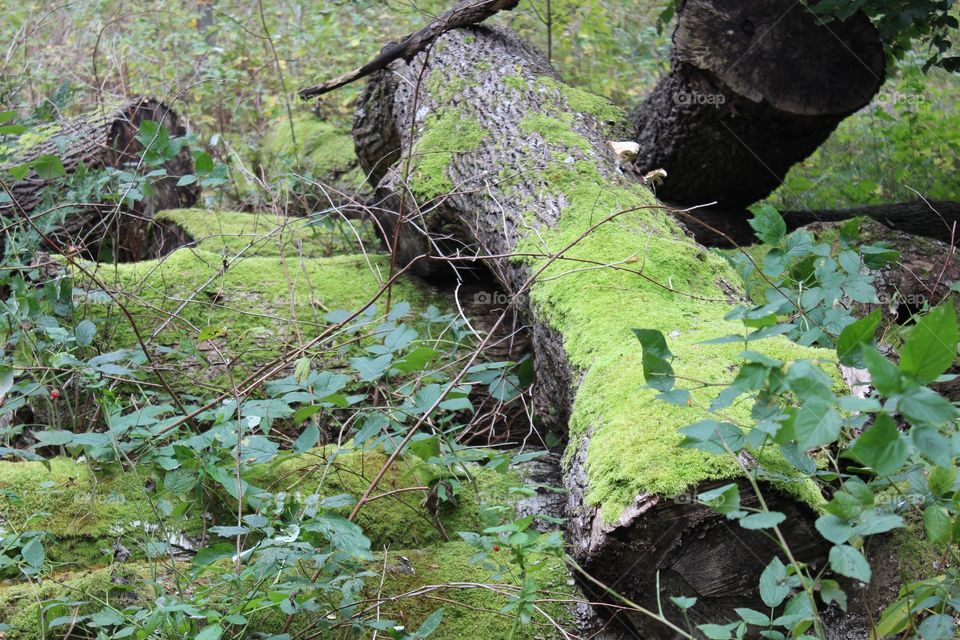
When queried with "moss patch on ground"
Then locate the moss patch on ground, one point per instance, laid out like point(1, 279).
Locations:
point(86, 510)
point(321, 147)
point(258, 234)
point(470, 597)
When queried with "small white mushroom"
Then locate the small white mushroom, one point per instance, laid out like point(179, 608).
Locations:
point(625, 150)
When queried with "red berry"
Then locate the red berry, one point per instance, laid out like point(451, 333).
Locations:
point(496, 548)
point(54, 394)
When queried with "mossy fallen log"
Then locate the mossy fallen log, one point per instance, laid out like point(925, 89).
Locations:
point(106, 137)
point(313, 162)
point(506, 160)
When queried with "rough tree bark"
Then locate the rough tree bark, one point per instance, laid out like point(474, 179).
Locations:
point(754, 88)
point(103, 138)
point(475, 141)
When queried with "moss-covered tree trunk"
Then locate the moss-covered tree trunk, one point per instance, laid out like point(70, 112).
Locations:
point(482, 151)
point(754, 88)
point(105, 137)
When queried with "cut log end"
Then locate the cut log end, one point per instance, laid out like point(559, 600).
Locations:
point(781, 53)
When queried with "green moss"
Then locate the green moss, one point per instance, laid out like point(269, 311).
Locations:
point(230, 232)
point(399, 519)
point(553, 130)
point(634, 446)
point(471, 599)
point(475, 610)
point(515, 82)
point(585, 102)
point(321, 147)
point(84, 514)
point(253, 307)
point(113, 586)
point(445, 135)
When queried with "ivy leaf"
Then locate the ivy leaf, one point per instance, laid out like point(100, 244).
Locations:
point(656, 359)
point(881, 447)
point(849, 562)
point(931, 346)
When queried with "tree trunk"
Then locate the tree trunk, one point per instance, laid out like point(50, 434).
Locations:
point(97, 140)
point(754, 88)
point(484, 153)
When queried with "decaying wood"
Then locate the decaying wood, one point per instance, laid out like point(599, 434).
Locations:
point(754, 88)
point(464, 14)
point(106, 137)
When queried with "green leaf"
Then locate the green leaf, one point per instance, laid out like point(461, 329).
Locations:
point(941, 480)
point(855, 336)
point(924, 406)
point(884, 375)
point(766, 520)
point(830, 591)
point(48, 167)
point(656, 359)
point(305, 413)
point(773, 587)
point(725, 499)
point(210, 554)
point(931, 346)
point(881, 447)
point(849, 562)
point(210, 632)
point(33, 553)
point(308, 439)
point(834, 529)
point(752, 616)
point(683, 602)
point(936, 520)
point(768, 225)
point(938, 627)
point(54, 438)
point(429, 625)
point(718, 631)
point(416, 360)
point(713, 437)
point(186, 180)
point(84, 332)
point(817, 423)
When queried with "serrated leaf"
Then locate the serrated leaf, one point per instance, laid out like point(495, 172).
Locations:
point(931, 346)
point(881, 447)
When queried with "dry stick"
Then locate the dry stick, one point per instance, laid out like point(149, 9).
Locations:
point(466, 13)
point(463, 372)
